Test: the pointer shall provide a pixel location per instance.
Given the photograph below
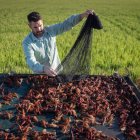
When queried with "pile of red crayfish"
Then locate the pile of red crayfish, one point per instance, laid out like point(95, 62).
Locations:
point(51, 110)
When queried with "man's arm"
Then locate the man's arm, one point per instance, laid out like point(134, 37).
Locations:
point(33, 63)
point(59, 28)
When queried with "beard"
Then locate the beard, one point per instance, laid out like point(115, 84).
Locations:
point(39, 34)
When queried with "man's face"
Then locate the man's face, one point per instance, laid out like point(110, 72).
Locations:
point(37, 28)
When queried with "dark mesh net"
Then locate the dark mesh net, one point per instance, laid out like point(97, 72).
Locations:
point(77, 62)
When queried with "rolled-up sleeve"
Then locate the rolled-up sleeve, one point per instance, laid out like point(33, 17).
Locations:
point(59, 28)
point(30, 58)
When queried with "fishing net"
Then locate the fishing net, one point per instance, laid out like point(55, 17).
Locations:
point(77, 61)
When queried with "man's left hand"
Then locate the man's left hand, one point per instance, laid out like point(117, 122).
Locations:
point(86, 13)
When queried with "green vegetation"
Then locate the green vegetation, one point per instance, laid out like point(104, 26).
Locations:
point(115, 48)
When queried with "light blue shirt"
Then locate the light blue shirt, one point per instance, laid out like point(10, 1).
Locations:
point(43, 51)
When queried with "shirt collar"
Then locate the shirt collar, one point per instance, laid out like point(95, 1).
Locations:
point(33, 37)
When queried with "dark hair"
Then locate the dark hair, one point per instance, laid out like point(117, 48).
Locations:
point(33, 16)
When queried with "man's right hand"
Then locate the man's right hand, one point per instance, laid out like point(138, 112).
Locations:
point(49, 71)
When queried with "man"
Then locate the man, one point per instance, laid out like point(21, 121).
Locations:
point(40, 44)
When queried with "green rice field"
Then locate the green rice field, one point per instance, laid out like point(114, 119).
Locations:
point(114, 48)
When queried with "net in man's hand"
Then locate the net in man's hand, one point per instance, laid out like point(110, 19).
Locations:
point(77, 62)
